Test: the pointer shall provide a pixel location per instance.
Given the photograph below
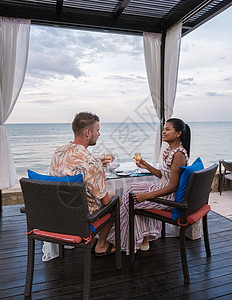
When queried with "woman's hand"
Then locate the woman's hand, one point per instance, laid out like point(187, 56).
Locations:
point(142, 164)
point(140, 197)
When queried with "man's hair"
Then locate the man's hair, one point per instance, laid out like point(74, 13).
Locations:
point(82, 121)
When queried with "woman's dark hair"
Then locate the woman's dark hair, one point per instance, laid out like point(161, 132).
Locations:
point(185, 137)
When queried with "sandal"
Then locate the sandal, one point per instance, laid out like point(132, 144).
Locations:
point(107, 252)
point(145, 247)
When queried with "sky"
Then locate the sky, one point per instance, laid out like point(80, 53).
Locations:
point(70, 71)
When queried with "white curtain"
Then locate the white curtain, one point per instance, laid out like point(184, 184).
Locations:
point(171, 64)
point(152, 53)
point(14, 42)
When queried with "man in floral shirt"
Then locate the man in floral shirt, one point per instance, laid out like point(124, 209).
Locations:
point(74, 158)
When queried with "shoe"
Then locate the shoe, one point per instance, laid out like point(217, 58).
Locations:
point(107, 252)
point(144, 247)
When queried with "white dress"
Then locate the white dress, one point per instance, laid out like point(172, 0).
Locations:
point(145, 227)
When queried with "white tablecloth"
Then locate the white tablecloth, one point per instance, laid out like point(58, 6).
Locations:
point(120, 185)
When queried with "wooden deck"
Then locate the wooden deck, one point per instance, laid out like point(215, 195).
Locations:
point(156, 274)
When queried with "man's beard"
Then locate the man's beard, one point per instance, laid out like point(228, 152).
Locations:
point(92, 143)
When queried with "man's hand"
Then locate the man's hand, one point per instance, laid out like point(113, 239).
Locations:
point(108, 197)
point(103, 161)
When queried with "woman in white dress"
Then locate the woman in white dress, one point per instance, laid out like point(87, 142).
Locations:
point(177, 134)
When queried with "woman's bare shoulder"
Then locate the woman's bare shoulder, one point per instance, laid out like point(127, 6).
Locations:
point(180, 157)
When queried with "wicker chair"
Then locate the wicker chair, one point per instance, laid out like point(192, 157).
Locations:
point(58, 213)
point(222, 175)
point(193, 208)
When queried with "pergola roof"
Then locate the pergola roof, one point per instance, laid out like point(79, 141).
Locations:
point(124, 16)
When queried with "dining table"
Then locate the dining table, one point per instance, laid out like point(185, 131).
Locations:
point(120, 182)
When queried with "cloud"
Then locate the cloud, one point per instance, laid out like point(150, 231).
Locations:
point(61, 51)
point(213, 94)
point(187, 47)
point(46, 66)
point(105, 73)
point(227, 79)
point(188, 95)
point(82, 43)
point(130, 78)
point(186, 81)
point(221, 58)
point(41, 101)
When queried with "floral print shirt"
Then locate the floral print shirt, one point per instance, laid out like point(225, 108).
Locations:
point(73, 159)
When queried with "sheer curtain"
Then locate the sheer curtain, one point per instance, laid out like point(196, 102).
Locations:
point(171, 64)
point(152, 54)
point(14, 42)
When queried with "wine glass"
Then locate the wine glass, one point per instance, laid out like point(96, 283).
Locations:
point(137, 158)
point(108, 160)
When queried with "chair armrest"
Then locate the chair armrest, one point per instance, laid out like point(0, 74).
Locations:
point(23, 209)
point(104, 209)
point(167, 202)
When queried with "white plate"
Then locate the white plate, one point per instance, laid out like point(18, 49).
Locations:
point(143, 171)
point(123, 174)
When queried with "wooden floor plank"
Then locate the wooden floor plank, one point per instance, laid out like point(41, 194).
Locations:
point(156, 274)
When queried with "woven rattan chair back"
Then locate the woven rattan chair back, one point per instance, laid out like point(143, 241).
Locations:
point(59, 207)
point(227, 165)
point(199, 187)
point(223, 175)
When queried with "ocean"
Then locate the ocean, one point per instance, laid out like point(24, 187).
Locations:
point(32, 145)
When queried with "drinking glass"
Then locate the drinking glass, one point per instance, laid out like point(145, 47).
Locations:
point(108, 160)
point(137, 158)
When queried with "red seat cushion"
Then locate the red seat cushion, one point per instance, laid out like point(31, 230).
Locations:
point(191, 219)
point(58, 236)
point(100, 221)
point(66, 237)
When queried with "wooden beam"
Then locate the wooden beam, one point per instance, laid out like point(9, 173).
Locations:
point(80, 19)
point(59, 5)
point(120, 7)
point(55, 13)
point(180, 11)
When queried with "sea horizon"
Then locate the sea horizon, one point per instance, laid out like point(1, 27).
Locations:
point(155, 122)
point(33, 144)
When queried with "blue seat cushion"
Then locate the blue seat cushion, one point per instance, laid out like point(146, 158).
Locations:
point(37, 176)
point(185, 175)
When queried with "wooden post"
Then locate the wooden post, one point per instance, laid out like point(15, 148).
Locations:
point(162, 116)
point(0, 201)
